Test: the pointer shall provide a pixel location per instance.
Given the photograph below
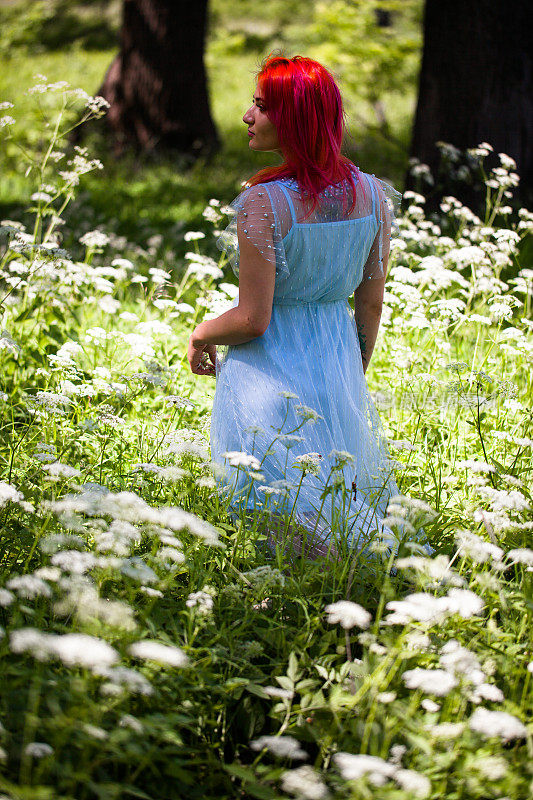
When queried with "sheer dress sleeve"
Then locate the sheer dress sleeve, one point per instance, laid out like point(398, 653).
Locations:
point(255, 214)
point(387, 209)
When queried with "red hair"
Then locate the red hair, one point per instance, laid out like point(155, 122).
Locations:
point(303, 101)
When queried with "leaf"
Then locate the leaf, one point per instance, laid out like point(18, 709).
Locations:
point(500, 467)
point(285, 682)
point(253, 788)
point(24, 315)
point(307, 683)
point(37, 356)
point(259, 691)
point(241, 772)
point(135, 792)
point(292, 671)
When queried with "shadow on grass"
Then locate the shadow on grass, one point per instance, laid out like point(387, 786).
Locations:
point(137, 197)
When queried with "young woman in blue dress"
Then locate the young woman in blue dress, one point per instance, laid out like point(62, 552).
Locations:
point(293, 422)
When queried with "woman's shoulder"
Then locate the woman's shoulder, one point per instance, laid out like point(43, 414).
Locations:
point(292, 183)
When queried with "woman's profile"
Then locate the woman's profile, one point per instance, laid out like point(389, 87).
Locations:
point(293, 421)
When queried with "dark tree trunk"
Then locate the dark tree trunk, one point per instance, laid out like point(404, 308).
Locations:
point(383, 18)
point(476, 85)
point(157, 84)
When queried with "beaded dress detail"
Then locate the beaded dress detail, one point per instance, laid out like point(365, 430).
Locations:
point(296, 397)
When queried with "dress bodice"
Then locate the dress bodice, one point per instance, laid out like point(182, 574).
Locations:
point(326, 257)
point(321, 254)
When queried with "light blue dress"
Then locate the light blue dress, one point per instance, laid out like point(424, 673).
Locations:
point(296, 397)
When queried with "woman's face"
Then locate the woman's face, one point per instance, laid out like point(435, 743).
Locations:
point(261, 131)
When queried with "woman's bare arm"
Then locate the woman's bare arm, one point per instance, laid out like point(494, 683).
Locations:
point(248, 320)
point(368, 297)
point(368, 301)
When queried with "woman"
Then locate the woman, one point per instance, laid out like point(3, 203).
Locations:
point(291, 391)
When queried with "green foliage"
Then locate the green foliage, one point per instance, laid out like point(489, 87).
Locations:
point(197, 641)
point(371, 59)
point(55, 24)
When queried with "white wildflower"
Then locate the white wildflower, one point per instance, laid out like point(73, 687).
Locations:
point(446, 730)
point(386, 697)
point(305, 783)
point(74, 561)
point(8, 493)
point(240, 459)
point(353, 767)
point(38, 749)
point(396, 754)
point(494, 768)
point(30, 640)
point(521, 555)
point(501, 500)
point(280, 746)
point(57, 469)
point(179, 402)
point(348, 614)
point(433, 681)
point(171, 554)
point(41, 197)
point(309, 462)
point(95, 731)
point(475, 466)
point(6, 598)
point(29, 586)
point(94, 239)
point(129, 721)
point(497, 723)
point(418, 607)
point(487, 691)
point(124, 678)
point(151, 592)
point(73, 649)
point(309, 414)
point(464, 602)
point(97, 105)
point(202, 601)
point(413, 782)
point(477, 548)
point(418, 641)
point(154, 651)
point(437, 568)
point(460, 660)
point(80, 649)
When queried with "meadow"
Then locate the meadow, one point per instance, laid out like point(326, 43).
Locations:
point(151, 645)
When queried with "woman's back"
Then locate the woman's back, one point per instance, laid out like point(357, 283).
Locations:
point(310, 350)
point(321, 256)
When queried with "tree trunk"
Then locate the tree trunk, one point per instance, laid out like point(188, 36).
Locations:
point(383, 18)
point(476, 85)
point(157, 84)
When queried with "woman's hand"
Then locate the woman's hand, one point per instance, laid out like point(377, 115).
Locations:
point(202, 357)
